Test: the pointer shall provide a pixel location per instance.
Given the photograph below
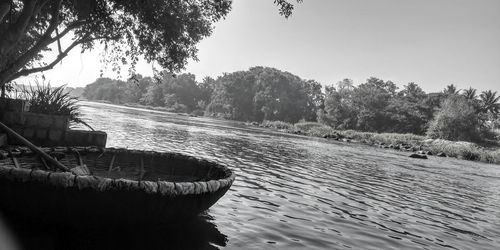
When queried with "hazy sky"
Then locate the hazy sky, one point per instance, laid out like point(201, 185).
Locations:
point(430, 42)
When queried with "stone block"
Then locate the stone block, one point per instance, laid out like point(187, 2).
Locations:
point(69, 137)
point(13, 118)
point(21, 118)
point(61, 122)
point(18, 129)
point(100, 138)
point(3, 140)
point(12, 140)
point(31, 120)
point(56, 135)
point(45, 121)
point(16, 105)
point(85, 138)
point(29, 133)
point(41, 134)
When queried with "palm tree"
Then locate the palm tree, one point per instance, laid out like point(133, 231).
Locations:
point(451, 90)
point(490, 101)
point(470, 93)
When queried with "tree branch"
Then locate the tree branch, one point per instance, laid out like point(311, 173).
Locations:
point(17, 29)
point(43, 42)
point(70, 27)
point(58, 41)
point(26, 72)
point(59, 57)
point(4, 9)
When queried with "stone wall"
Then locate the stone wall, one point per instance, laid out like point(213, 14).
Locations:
point(43, 130)
point(85, 138)
point(47, 130)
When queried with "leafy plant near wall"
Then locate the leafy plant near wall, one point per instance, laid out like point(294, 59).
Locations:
point(44, 99)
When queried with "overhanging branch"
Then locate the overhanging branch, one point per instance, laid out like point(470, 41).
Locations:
point(69, 27)
point(43, 42)
point(59, 57)
point(4, 9)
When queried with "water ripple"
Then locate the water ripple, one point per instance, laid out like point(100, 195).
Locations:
point(299, 192)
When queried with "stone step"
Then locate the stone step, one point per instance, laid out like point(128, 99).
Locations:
point(3, 140)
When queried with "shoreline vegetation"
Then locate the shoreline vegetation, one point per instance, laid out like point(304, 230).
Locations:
point(415, 144)
point(463, 123)
point(411, 143)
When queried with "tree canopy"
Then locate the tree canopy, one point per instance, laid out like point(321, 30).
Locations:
point(163, 31)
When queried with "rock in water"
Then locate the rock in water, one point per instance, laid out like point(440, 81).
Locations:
point(418, 156)
point(441, 154)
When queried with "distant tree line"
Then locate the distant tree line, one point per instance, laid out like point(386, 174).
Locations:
point(262, 93)
point(378, 106)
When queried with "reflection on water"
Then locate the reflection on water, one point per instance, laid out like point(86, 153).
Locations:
point(192, 233)
point(310, 193)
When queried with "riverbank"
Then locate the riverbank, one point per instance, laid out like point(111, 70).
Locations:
point(414, 144)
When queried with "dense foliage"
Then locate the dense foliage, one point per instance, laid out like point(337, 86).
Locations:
point(163, 31)
point(456, 120)
point(262, 93)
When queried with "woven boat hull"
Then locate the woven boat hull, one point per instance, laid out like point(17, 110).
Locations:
point(147, 195)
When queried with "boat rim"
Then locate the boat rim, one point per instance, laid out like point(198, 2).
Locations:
point(106, 184)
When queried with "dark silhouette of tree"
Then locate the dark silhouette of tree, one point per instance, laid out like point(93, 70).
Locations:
point(161, 31)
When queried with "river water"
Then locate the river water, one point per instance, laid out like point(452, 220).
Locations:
point(297, 192)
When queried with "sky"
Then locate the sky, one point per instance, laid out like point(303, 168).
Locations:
point(430, 42)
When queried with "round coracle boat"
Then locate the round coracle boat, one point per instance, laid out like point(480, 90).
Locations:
point(123, 185)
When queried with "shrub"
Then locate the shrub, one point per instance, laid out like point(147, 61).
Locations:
point(277, 125)
point(321, 131)
point(305, 126)
point(394, 138)
point(53, 101)
point(456, 120)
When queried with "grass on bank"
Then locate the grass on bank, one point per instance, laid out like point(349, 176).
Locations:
point(457, 149)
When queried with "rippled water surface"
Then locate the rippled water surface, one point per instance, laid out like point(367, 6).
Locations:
point(311, 193)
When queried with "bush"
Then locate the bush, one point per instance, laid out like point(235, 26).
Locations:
point(277, 125)
point(457, 120)
point(321, 131)
point(53, 101)
point(394, 138)
point(305, 126)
